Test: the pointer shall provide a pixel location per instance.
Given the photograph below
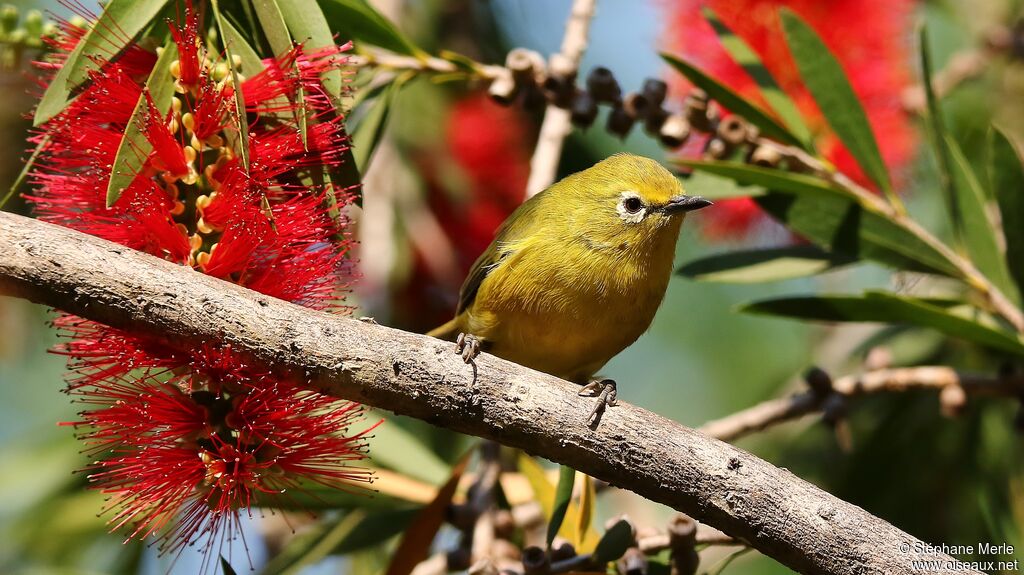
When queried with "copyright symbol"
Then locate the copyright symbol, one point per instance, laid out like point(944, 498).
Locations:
point(904, 547)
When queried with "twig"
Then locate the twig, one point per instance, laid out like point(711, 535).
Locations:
point(720, 485)
point(936, 378)
point(557, 125)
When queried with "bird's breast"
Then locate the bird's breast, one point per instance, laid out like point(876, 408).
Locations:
point(568, 309)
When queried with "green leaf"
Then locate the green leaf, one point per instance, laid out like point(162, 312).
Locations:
point(309, 27)
point(827, 82)
point(888, 308)
point(844, 227)
point(779, 101)
point(115, 28)
point(274, 28)
point(979, 233)
point(25, 170)
point(134, 147)
point(225, 567)
point(367, 134)
point(767, 178)
point(252, 64)
point(939, 138)
point(268, 12)
point(725, 96)
point(764, 265)
point(563, 495)
point(543, 490)
point(833, 218)
point(614, 543)
point(353, 532)
point(357, 20)
point(243, 124)
point(396, 448)
point(1006, 177)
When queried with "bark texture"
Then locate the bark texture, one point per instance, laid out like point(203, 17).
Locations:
point(776, 512)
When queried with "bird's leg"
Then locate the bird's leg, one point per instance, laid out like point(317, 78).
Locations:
point(468, 346)
point(606, 393)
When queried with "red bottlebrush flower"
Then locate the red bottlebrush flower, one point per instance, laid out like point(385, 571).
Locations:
point(187, 439)
point(876, 58)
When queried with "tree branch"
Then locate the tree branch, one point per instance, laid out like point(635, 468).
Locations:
point(720, 485)
point(953, 386)
point(557, 125)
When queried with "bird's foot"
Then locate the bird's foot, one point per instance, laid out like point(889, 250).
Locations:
point(468, 346)
point(606, 393)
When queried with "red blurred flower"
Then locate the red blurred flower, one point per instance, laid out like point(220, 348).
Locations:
point(186, 439)
point(875, 57)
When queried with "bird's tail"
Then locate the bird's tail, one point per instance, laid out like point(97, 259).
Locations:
point(449, 330)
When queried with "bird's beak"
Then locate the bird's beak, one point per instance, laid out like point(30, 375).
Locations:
point(682, 204)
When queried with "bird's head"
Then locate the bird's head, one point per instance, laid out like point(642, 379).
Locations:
point(629, 200)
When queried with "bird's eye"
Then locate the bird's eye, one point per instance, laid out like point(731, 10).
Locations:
point(633, 204)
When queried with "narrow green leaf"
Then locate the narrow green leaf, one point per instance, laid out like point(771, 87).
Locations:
point(268, 12)
point(239, 107)
point(543, 490)
point(888, 308)
point(563, 495)
point(938, 134)
point(25, 170)
point(252, 64)
point(309, 27)
point(842, 226)
point(134, 147)
point(353, 532)
point(368, 132)
point(979, 233)
point(115, 28)
point(833, 218)
point(779, 101)
point(725, 96)
point(225, 567)
point(358, 20)
point(825, 79)
point(396, 448)
point(768, 178)
point(764, 265)
point(1006, 177)
point(274, 28)
point(614, 543)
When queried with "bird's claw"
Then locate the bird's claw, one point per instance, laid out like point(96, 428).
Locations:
point(606, 393)
point(468, 346)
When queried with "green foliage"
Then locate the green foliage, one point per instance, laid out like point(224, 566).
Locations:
point(614, 542)
point(733, 101)
point(779, 101)
point(135, 147)
point(357, 20)
point(890, 308)
point(1006, 180)
point(563, 495)
point(118, 25)
point(836, 99)
point(764, 265)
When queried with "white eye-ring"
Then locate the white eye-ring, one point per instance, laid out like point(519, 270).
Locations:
point(631, 207)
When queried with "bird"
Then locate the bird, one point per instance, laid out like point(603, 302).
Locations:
point(576, 273)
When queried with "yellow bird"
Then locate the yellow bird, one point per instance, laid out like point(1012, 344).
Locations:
point(576, 273)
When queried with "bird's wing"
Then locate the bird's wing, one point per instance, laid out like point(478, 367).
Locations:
point(512, 230)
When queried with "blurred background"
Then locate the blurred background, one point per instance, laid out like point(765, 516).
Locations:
point(452, 165)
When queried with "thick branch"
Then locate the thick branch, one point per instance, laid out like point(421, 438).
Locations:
point(720, 485)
